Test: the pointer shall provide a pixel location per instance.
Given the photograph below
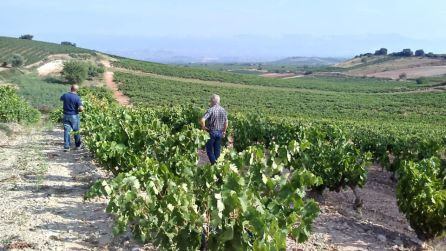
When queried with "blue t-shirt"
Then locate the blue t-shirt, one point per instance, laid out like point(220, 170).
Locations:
point(71, 103)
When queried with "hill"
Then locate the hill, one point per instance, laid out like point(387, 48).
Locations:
point(34, 51)
point(307, 61)
point(393, 66)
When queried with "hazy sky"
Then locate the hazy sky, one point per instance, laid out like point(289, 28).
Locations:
point(91, 23)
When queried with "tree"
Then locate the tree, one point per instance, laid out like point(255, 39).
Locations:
point(16, 60)
point(75, 71)
point(382, 51)
point(27, 37)
point(403, 53)
point(407, 53)
point(419, 53)
point(68, 43)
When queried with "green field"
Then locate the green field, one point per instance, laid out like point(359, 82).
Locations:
point(422, 108)
point(335, 84)
point(33, 51)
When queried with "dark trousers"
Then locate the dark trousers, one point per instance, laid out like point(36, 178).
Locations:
point(213, 146)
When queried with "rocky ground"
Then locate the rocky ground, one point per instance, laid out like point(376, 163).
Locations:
point(42, 206)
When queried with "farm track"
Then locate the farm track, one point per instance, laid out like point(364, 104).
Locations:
point(108, 78)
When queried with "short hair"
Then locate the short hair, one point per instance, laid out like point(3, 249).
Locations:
point(215, 99)
point(74, 88)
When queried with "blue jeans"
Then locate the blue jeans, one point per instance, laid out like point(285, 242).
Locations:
point(71, 122)
point(213, 146)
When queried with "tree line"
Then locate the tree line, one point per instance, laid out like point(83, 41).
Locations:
point(404, 53)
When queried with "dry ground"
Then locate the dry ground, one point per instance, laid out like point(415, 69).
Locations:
point(414, 67)
point(41, 196)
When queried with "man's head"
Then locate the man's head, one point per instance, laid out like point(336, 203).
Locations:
point(215, 100)
point(74, 88)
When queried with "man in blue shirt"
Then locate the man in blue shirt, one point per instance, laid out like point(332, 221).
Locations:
point(72, 105)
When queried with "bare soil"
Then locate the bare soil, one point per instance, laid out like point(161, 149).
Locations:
point(41, 196)
point(414, 67)
point(51, 67)
point(278, 75)
point(108, 77)
point(425, 71)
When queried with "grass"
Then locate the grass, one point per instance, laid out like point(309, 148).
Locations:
point(42, 94)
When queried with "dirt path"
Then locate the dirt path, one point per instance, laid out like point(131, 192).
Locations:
point(108, 77)
point(41, 196)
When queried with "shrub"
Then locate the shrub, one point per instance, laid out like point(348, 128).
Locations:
point(422, 81)
point(4, 64)
point(363, 60)
point(95, 71)
point(403, 76)
point(75, 71)
point(27, 37)
point(15, 109)
point(16, 60)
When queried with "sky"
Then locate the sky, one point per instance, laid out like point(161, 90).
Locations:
point(231, 28)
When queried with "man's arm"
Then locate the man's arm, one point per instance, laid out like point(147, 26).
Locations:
point(203, 121)
point(203, 124)
point(80, 107)
point(225, 127)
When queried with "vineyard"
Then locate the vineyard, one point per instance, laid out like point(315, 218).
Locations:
point(289, 140)
point(33, 51)
point(401, 110)
point(334, 84)
point(255, 197)
point(15, 109)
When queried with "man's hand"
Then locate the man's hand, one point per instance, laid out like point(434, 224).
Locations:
point(224, 134)
point(81, 109)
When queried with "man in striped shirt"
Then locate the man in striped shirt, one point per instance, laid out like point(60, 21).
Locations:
point(214, 121)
